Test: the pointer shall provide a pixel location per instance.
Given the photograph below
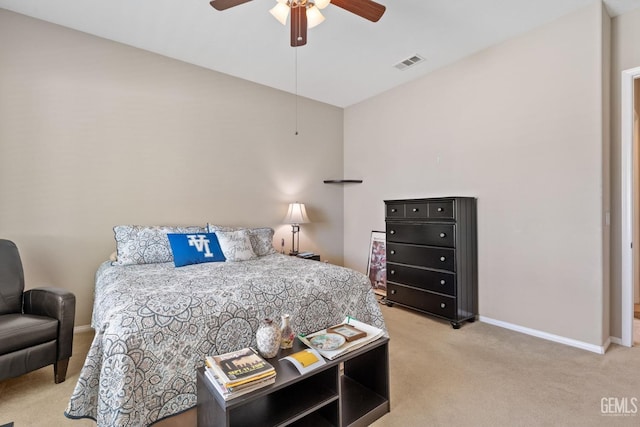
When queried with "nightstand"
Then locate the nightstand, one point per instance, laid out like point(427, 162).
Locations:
point(307, 255)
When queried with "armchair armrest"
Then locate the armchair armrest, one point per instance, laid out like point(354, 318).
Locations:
point(58, 304)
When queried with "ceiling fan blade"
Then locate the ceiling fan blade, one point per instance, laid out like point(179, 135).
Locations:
point(298, 26)
point(226, 4)
point(365, 8)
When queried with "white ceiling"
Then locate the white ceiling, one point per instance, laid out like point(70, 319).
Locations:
point(347, 59)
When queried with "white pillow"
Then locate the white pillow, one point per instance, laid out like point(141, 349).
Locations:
point(261, 237)
point(236, 245)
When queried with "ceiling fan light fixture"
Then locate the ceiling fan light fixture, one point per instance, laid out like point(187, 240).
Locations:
point(314, 17)
point(280, 11)
point(306, 14)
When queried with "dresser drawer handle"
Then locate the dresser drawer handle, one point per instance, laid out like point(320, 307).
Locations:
point(394, 210)
point(443, 235)
point(442, 282)
point(442, 305)
point(440, 209)
point(392, 272)
point(392, 231)
point(393, 252)
point(415, 209)
point(393, 291)
point(442, 259)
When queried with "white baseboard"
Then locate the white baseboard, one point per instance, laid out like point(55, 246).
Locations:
point(82, 328)
point(600, 349)
point(616, 340)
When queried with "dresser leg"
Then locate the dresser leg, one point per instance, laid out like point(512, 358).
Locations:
point(455, 325)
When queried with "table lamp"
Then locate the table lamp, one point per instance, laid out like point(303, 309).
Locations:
point(296, 215)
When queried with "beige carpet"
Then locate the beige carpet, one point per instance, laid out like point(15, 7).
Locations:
point(34, 400)
point(479, 375)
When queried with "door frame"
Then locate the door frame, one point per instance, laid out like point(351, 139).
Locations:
point(626, 192)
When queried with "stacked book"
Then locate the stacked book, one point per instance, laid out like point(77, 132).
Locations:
point(239, 372)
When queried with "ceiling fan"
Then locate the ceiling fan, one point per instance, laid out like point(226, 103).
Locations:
point(305, 13)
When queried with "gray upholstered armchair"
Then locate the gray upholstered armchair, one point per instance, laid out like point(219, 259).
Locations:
point(36, 326)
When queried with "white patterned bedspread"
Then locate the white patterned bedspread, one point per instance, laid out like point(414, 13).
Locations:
point(156, 323)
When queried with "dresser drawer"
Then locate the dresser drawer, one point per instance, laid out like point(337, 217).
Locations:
point(422, 300)
point(421, 234)
point(441, 209)
point(422, 256)
point(416, 210)
point(430, 280)
point(395, 210)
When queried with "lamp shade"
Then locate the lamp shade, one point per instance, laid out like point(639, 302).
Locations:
point(314, 17)
point(296, 214)
point(280, 11)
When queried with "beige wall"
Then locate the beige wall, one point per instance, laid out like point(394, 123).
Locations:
point(625, 54)
point(519, 126)
point(94, 134)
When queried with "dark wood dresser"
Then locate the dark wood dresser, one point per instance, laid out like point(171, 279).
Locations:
point(432, 256)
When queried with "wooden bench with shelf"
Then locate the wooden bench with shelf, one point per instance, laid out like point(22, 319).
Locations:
point(352, 390)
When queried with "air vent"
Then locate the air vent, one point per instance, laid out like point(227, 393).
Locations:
point(409, 62)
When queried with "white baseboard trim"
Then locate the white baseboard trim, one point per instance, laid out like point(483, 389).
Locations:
point(82, 328)
point(615, 340)
point(600, 349)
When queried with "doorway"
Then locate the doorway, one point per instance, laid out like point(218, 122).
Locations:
point(630, 194)
point(636, 210)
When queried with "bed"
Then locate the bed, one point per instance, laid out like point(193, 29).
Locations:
point(155, 323)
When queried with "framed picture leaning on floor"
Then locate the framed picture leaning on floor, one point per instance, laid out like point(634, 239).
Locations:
point(377, 265)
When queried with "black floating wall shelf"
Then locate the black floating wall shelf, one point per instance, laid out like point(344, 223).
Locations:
point(343, 181)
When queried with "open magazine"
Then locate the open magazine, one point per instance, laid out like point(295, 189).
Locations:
point(372, 334)
point(305, 360)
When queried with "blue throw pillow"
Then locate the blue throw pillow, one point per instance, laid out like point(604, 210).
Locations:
point(195, 248)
